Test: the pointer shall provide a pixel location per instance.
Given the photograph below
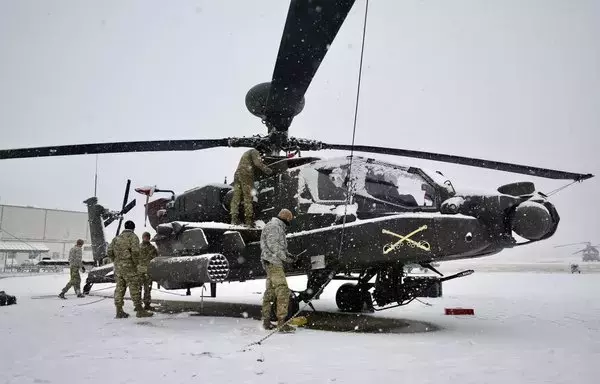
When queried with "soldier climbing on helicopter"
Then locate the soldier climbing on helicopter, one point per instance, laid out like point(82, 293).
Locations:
point(243, 183)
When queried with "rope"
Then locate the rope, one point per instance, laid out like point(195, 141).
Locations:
point(348, 195)
point(92, 302)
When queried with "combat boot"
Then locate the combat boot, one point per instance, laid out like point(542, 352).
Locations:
point(149, 307)
point(62, 295)
point(285, 328)
point(121, 314)
point(267, 325)
point(79, 294)
point(140, 312)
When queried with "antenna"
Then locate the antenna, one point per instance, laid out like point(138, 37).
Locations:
point(96, 178)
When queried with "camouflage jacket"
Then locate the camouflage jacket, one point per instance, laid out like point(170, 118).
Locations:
point(147, 253)
point(273, 243)
point(76, 257)
point(248, 163)
point(124, 250)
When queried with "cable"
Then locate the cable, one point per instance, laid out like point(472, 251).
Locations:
point(360, 67)
point(561, 188)
point(348, 194)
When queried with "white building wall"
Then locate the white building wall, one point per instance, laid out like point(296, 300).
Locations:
point(57, 229)
point(22, 222)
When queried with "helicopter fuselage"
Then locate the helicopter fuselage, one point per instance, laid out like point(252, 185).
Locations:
point(365, 217)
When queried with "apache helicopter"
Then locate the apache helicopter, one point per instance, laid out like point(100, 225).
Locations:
point(590, 252)
point(355, 218)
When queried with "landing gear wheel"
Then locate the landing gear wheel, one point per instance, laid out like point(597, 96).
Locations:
point(86, 288)
point(293, 307)
point(348, 298)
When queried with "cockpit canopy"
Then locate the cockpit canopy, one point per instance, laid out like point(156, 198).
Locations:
point(327, 181)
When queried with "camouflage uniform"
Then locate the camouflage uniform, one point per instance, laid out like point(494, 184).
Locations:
point(274, 253)
point(124, 251)
point(147, 253)
point(243, 182)
point(75, 264)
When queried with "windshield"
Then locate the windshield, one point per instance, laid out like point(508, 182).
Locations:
point(441, 180)
point(391, 184)
point(399, 187)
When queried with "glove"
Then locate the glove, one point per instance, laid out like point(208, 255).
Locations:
point(82, 269)
point(293, 259)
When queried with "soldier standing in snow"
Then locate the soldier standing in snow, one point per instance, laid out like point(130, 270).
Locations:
point(124, 251)
point(243, 182)
point(274, 253)
point(147, 253)
point(75, 264)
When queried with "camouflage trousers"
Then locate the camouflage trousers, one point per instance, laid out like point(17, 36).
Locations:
point(128, 277)
point(276, 290)
point(74, 281)
point(242, 190)
point(146, 283)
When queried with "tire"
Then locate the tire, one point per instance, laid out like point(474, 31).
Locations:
point(348, 298)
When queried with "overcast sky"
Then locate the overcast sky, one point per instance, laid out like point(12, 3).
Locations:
point(512, 80)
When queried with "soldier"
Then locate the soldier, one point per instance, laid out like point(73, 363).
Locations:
point(147, 253)
point(243, 183)
point(124, 251)
point(75, 264)
point(274, 253)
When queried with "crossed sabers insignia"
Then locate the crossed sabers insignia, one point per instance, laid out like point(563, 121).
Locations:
point(419, 244)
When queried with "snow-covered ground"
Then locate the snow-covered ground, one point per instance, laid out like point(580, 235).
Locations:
point(528, 328)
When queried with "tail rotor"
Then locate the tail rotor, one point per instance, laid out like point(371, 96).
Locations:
point(125, 208)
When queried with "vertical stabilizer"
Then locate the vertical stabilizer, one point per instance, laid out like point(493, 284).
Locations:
point(95, 213)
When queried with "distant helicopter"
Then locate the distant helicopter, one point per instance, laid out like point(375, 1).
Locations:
point(590, 252)
point(356, 218)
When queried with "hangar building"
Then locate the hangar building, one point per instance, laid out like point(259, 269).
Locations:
point(30, 233)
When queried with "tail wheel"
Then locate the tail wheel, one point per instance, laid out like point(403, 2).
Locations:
point(348, 298)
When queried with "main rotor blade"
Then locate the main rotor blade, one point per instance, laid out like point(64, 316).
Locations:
point(133, 146)
point(568, 245)
point(310, 29)
point(507, 167)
